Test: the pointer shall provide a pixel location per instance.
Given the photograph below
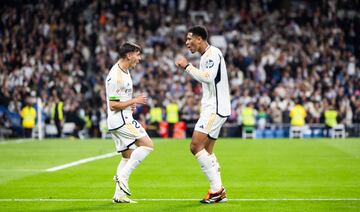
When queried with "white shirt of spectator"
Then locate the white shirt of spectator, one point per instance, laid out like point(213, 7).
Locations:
point(119, 87)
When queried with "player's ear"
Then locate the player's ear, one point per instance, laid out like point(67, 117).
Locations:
point(128, 56)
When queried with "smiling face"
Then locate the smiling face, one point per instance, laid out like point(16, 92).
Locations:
point(193, 42)
point(134, 58)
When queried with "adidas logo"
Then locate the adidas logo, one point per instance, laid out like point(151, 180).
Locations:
point(201, 126)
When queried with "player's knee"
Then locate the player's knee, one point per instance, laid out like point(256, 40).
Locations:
point(149, 145)
point(147, 148)
point(146, 143)
point(126, 153)
point(195, 148)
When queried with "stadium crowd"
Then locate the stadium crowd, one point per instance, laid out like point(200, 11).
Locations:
point(276, 54)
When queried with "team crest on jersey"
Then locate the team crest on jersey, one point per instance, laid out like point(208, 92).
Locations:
point(209, 64)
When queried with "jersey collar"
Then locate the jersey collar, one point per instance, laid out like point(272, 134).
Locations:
point(126, 72)
point(207, 48)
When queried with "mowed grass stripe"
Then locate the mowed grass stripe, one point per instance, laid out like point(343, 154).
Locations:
point(259, 175)
point(183, 199)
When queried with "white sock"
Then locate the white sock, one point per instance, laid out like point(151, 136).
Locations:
point(121, 165)
point(138, 155)
point(217, 166)
point(208, 167)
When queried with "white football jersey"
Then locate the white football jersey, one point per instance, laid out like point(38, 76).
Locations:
point(119, 87)
point(216, 93)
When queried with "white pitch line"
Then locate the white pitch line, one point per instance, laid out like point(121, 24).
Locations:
point(18, 141)
point(78, 162)
point(183, 200)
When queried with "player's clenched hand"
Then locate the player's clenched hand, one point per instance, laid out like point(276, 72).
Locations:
point(141, 99)
point(181, 62)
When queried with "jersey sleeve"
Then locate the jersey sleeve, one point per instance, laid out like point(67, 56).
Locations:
point(208, 69)
point(113, 89)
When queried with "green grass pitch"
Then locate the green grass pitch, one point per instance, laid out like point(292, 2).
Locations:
point(259, 175)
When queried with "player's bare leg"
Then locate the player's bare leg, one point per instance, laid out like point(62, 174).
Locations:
point(145, 141)
point(198, 142)
point(127, 153)
point(209, 146)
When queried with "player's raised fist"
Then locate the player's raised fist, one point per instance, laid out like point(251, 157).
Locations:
point(181, 62)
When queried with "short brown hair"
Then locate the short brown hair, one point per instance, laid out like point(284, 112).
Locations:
point(127, 48)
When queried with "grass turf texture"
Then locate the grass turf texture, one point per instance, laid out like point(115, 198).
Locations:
point(253, 172)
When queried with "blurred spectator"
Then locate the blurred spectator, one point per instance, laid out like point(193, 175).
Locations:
point(28, 115)
point(172, 116)
point(57, 113)
point(275, 52)
point(248, 117)
point(298, 114)
point(330, 118)
point(261, 118)
point(156, 116)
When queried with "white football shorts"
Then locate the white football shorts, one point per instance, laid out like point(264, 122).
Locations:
point(210, 124)
point(126, 136)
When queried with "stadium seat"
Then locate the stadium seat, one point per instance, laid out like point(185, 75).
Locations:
point(68, 129)
point(296, 132)
point(50, 130)
point(5, 133)
point(35, 132)
point(249, 132)
point(338, 131)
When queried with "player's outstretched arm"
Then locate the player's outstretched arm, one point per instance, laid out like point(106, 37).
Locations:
point(118, 105)
point(205, 76)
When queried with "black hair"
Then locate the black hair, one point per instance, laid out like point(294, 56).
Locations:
point(127, 48)
point(199, 31)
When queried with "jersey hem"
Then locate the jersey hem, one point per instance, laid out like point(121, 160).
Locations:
point(127, 147)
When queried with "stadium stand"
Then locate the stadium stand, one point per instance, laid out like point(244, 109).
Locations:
point(276, 52)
